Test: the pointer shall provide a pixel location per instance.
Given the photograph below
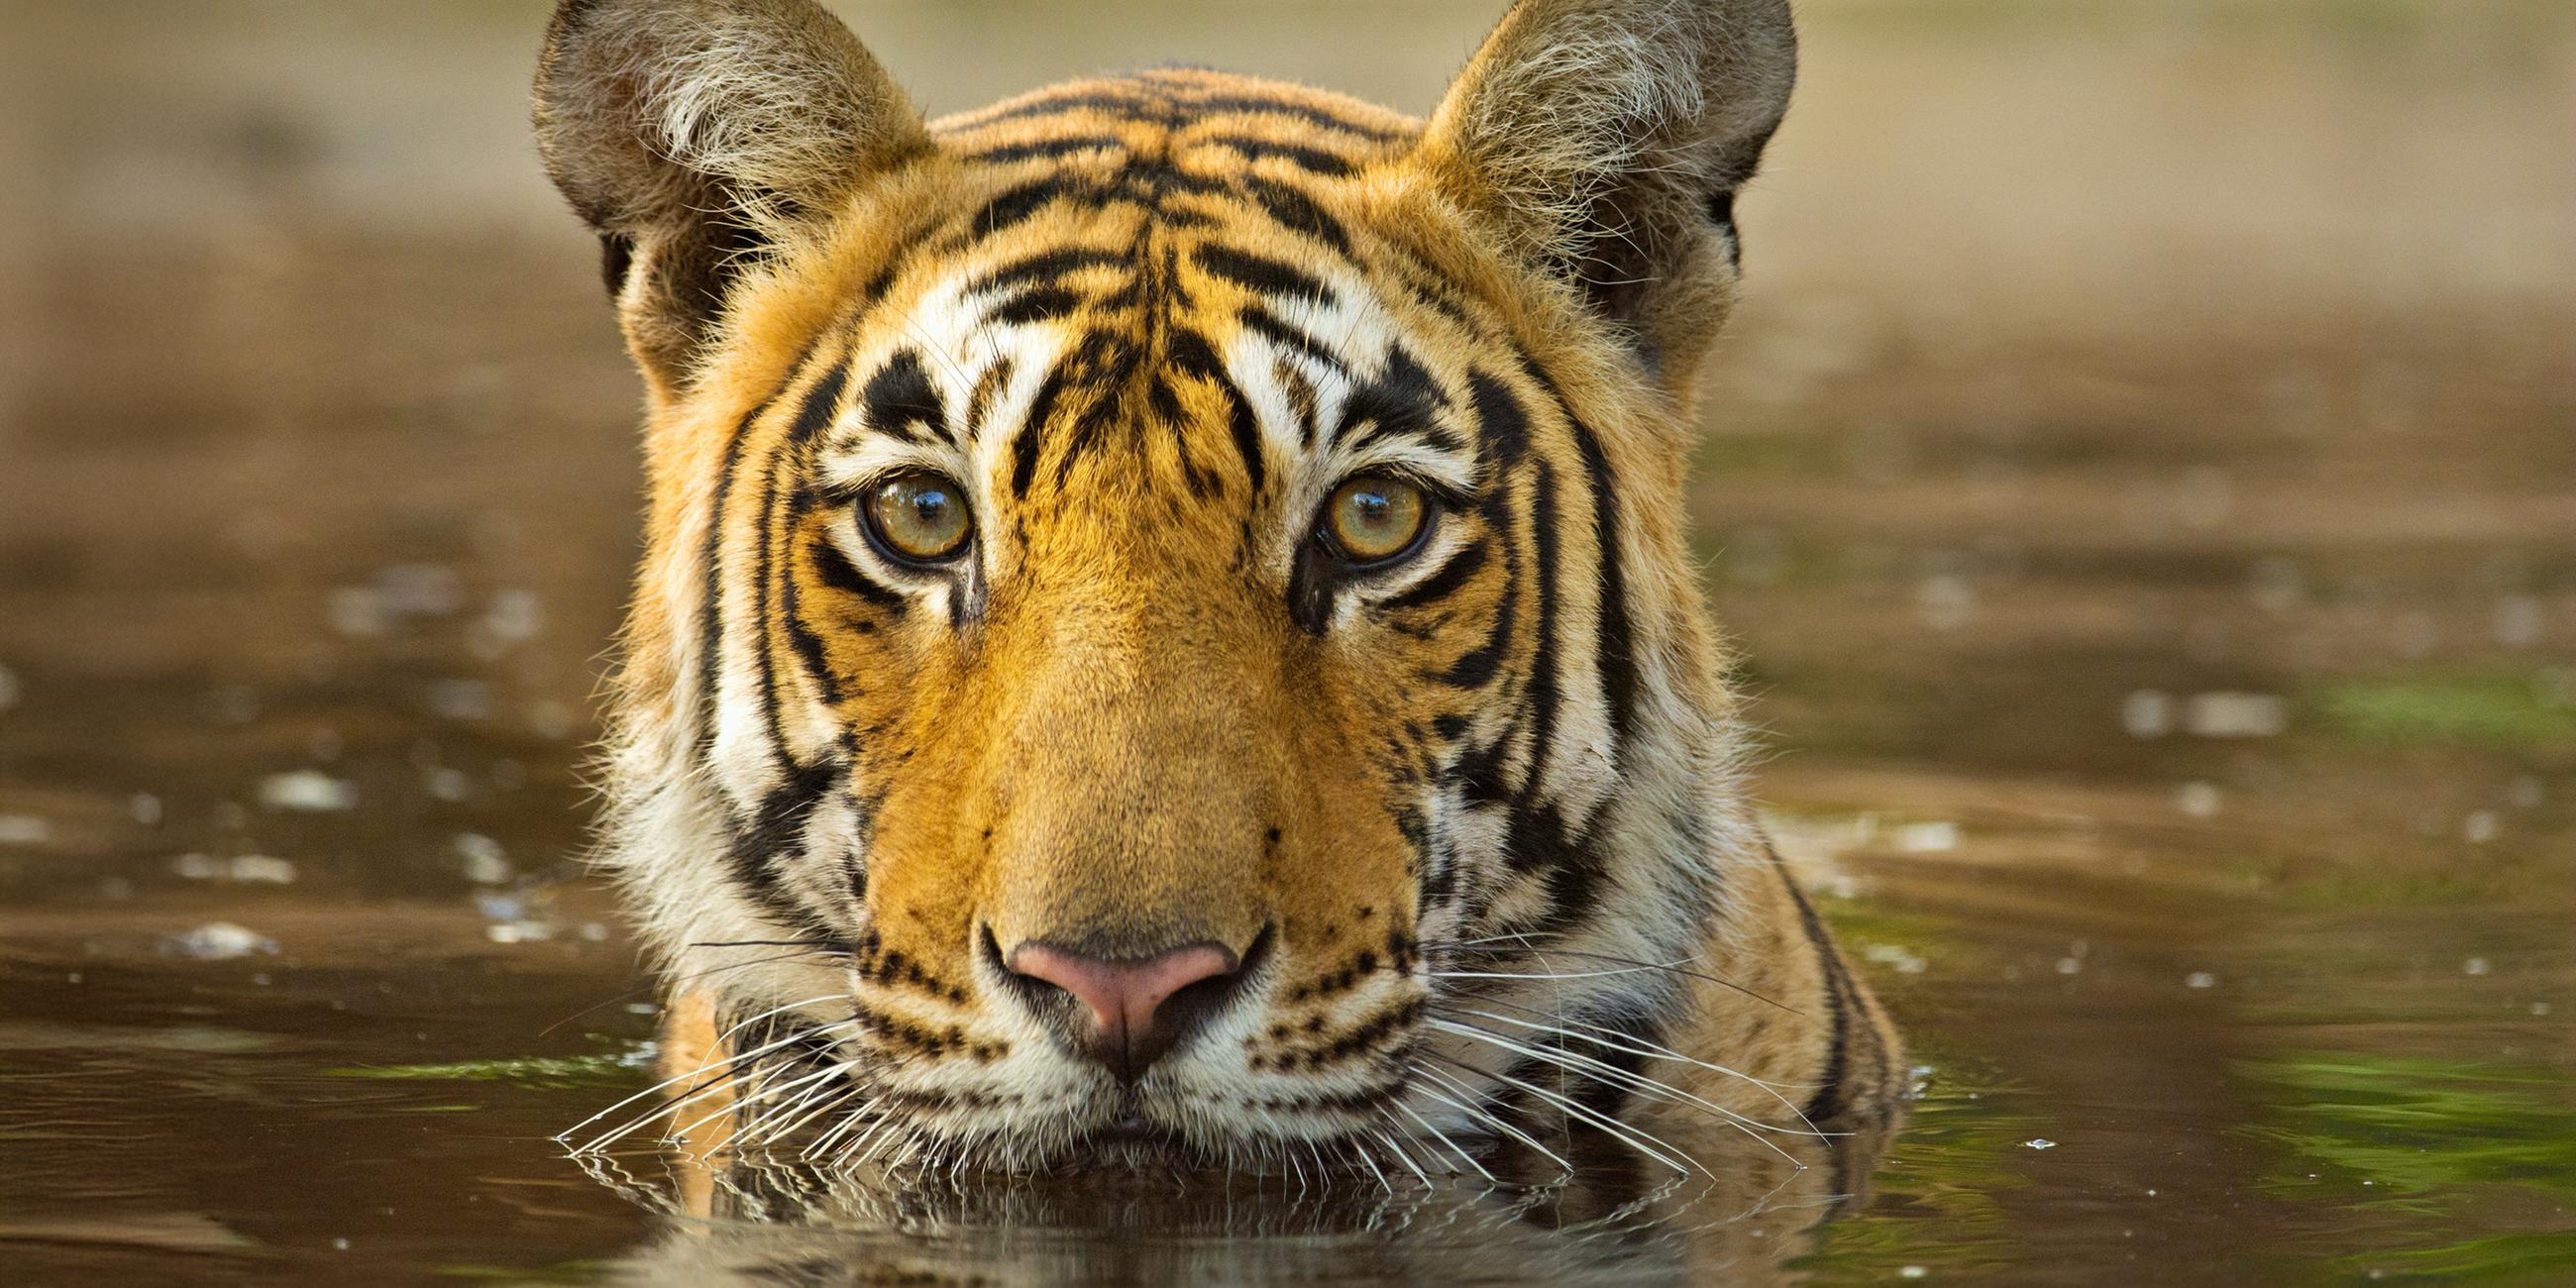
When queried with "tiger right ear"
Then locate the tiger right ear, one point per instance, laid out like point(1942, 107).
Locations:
point(1602, 142)
point(691, 134)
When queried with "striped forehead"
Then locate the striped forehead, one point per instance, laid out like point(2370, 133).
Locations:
point(1247, 366)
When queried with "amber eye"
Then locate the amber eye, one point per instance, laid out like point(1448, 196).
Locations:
point(917, 517)
point(1375, 518)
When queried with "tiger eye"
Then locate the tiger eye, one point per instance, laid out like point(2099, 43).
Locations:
point(919, 517)
point(1375, 518)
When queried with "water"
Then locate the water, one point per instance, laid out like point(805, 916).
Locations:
point(2147, 525)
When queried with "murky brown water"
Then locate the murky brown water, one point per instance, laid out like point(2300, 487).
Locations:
point(2145, 484)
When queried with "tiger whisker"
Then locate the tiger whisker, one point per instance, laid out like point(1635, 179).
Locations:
point(1487, 1116)
point(1615, 1076)
point(1663, 1052)
point(1636, 1138)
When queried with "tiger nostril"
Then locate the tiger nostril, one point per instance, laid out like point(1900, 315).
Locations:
point(1139, 1008)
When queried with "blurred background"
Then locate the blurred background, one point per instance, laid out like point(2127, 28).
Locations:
point(2143, 482)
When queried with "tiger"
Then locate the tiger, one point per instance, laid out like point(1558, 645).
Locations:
point(1166, 634)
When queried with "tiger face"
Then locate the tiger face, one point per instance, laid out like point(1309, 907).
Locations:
point(1162, 591)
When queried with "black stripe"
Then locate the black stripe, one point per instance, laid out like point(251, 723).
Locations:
point(1190, 353)
point(1299, 111)
point(1045, 304)
point(1297, 211)
point(1500, 418)
point(1026, 444)
point(1265, 323)
point(835, 570)
point(1443, 583)
point(1403, 399)
point(1617, 645)
point(814, 413)
point(1044, 267)
point(900, 395)
point(1261, 274)
point(1313, 160)
point(1541, 688)
point(1045, 149)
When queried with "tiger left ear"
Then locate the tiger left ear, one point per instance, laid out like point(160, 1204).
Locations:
point(1603, 141)
point(692, 135)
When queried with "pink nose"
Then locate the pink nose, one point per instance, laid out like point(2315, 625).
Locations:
point(1131, 1027)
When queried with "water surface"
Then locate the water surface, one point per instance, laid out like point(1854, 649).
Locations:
point(2140, 484)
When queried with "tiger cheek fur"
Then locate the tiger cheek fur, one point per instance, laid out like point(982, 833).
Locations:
point(1002, 650)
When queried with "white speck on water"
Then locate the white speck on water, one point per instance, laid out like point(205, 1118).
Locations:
point(2525, 793)
point(260, 868)
point(218, 941)
point(419, 590)
point(307, 791)
point(10, 689)
point(553, 721)
point(2039, 1142)
point(2540, 1008)
point(197, 867)
point(24, 829)
point(519, 932)
point(144, 808)
point(2069, 965)
point(1927, 838)
point(460, 700)
point(2236, 715)
point(2517, 621)
point(355, 611)
point(450, 785)
point(2474, 966)
point(2147, 713)
point(2479, 827)
point(643, 1008)
point(2199, 800)
point(2200, 979)
point(1902, 960)
point(1946, 601)
point(1911, 1272)
point(339, 1245)
point(595, 932)
point(484, 861)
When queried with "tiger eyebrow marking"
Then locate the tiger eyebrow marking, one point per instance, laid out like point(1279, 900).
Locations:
point(899, 396)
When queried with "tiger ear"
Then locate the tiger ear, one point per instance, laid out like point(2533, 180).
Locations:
point(1603, 141)
point(693, 134)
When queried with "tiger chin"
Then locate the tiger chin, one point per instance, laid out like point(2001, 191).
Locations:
point(1167, 634)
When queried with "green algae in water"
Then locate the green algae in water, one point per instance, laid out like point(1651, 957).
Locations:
point(542, 1073)
point(2426, 1148)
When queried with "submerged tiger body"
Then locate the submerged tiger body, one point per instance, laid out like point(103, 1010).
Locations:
point(1167, 628)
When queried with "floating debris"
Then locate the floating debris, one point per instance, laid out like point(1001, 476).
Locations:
point(2199, 800)
point(2147, 713)
point(218, 941)
point(307, 791)
point(1927, 838)
point(1946, 601)
point(144, 808)
point(2200, 979)
point(2236, 715)
point(24, 829)
point(484, 861)
point(519, 932)
point(2479, 827)
point(2039, 1142)
point(2474, 966)
point(261, 869)
point(1904, 961)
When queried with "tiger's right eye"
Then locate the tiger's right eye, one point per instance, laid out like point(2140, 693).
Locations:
point(916, 517)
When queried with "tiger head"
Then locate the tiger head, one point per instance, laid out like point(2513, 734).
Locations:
point(1158, 587)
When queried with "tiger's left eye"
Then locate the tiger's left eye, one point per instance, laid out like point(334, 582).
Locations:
point(1373, 519)
point(916, 517)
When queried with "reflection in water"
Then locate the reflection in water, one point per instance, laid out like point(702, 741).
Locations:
point(1742, 1216)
